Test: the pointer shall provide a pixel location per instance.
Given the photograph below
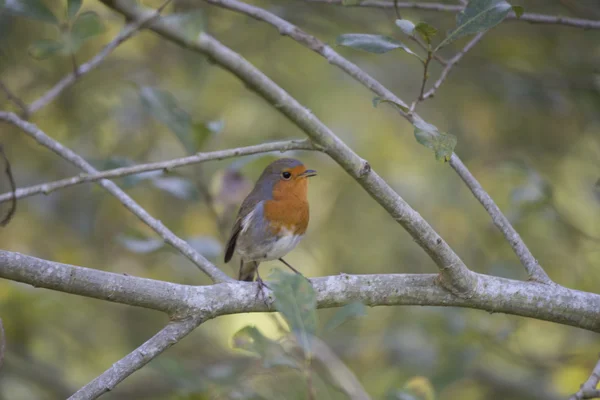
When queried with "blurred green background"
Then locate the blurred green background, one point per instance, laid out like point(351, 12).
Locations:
point(524, 104)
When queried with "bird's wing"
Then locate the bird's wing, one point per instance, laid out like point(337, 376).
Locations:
point(248, 206)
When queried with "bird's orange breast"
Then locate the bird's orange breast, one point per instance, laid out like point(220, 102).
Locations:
point(291, 215)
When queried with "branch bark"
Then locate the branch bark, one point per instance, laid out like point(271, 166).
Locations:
point(455, 276)
point(165, 338)
point(493, 295)
point(34, 132)
point(527, 17)
point(588, 389)
point(49, 187)
point(534, 270)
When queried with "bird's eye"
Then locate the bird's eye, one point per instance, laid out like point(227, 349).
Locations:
point(286, 175)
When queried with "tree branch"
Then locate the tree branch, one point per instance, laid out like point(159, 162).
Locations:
point(534, 270)
point(449, 65)
point(49, 187)
point(527, 17)
point(165, 338)
point(127, 32)
point(454, 274)
point(34, 132)
point(588, 389)
point(493, 294)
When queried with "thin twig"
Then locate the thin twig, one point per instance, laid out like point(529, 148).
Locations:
point(12, 196)
point(449, 65)
point(588, 389)
point(169, 237)
point(50, 187)
point(127, 32)
point(527, 17)
point(311, 42)
point(165, 338)
point(15, 99)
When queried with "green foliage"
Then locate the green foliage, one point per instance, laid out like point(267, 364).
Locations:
point(296, 300)
point(86, 26)
point(32, 9)
point(426, 31)
point(270, 352)
point(478, 16)
point(178, 187)
point(163, 106)
point(350, 2)
point(377, 44)
point(518, 10)
point(349, 311)
point(406, 26)
point(73, 7)
point(44, 48)
point(441, 143)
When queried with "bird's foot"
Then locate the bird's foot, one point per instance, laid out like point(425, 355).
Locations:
point(261, 289)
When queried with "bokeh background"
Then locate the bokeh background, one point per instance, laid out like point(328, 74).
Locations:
point(524, 104)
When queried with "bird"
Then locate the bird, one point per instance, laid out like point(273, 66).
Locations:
point(272, 219)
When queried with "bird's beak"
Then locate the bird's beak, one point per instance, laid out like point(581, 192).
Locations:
point(308, 173)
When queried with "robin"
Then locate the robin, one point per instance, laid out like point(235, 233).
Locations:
point(272, 219)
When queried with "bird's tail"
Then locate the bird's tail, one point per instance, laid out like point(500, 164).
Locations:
point(248, 271)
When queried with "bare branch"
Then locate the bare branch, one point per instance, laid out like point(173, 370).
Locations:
point(454, 274)
point(50, 187)
point(311, 42)
point(15, 99)
point(34, 132)
point(450, 64)
point(127, 32)
point(588, 389)
point(13, 187)
point(527, 17)
point(165, 338)
point(534, 270)
point(492, 294)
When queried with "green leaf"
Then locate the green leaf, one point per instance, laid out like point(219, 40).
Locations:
point(478, 16)
point(141, 246)
point(296, 300)
point(406, 26)
point(442, 144)
point(44, 48)
point(86, 26)
point(33, 9)
point(191, 24)
point(518, 10)
point(343, 314)
point(73, 7)
point(378, 44)
point(180, 188)
point(163, 106)
point(426, 31)
point(378, 100)
point(272, 353)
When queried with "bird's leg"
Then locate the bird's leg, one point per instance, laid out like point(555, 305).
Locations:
point(293, 269)
point(261, 287)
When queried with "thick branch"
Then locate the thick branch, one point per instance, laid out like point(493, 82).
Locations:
point(492, 294)
point(33, 131)
point(128, 31)
point(49, 187)
point(165, 338)
point(285, 28)
point(588, 389)
point(528, 17)
point(455, 275)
